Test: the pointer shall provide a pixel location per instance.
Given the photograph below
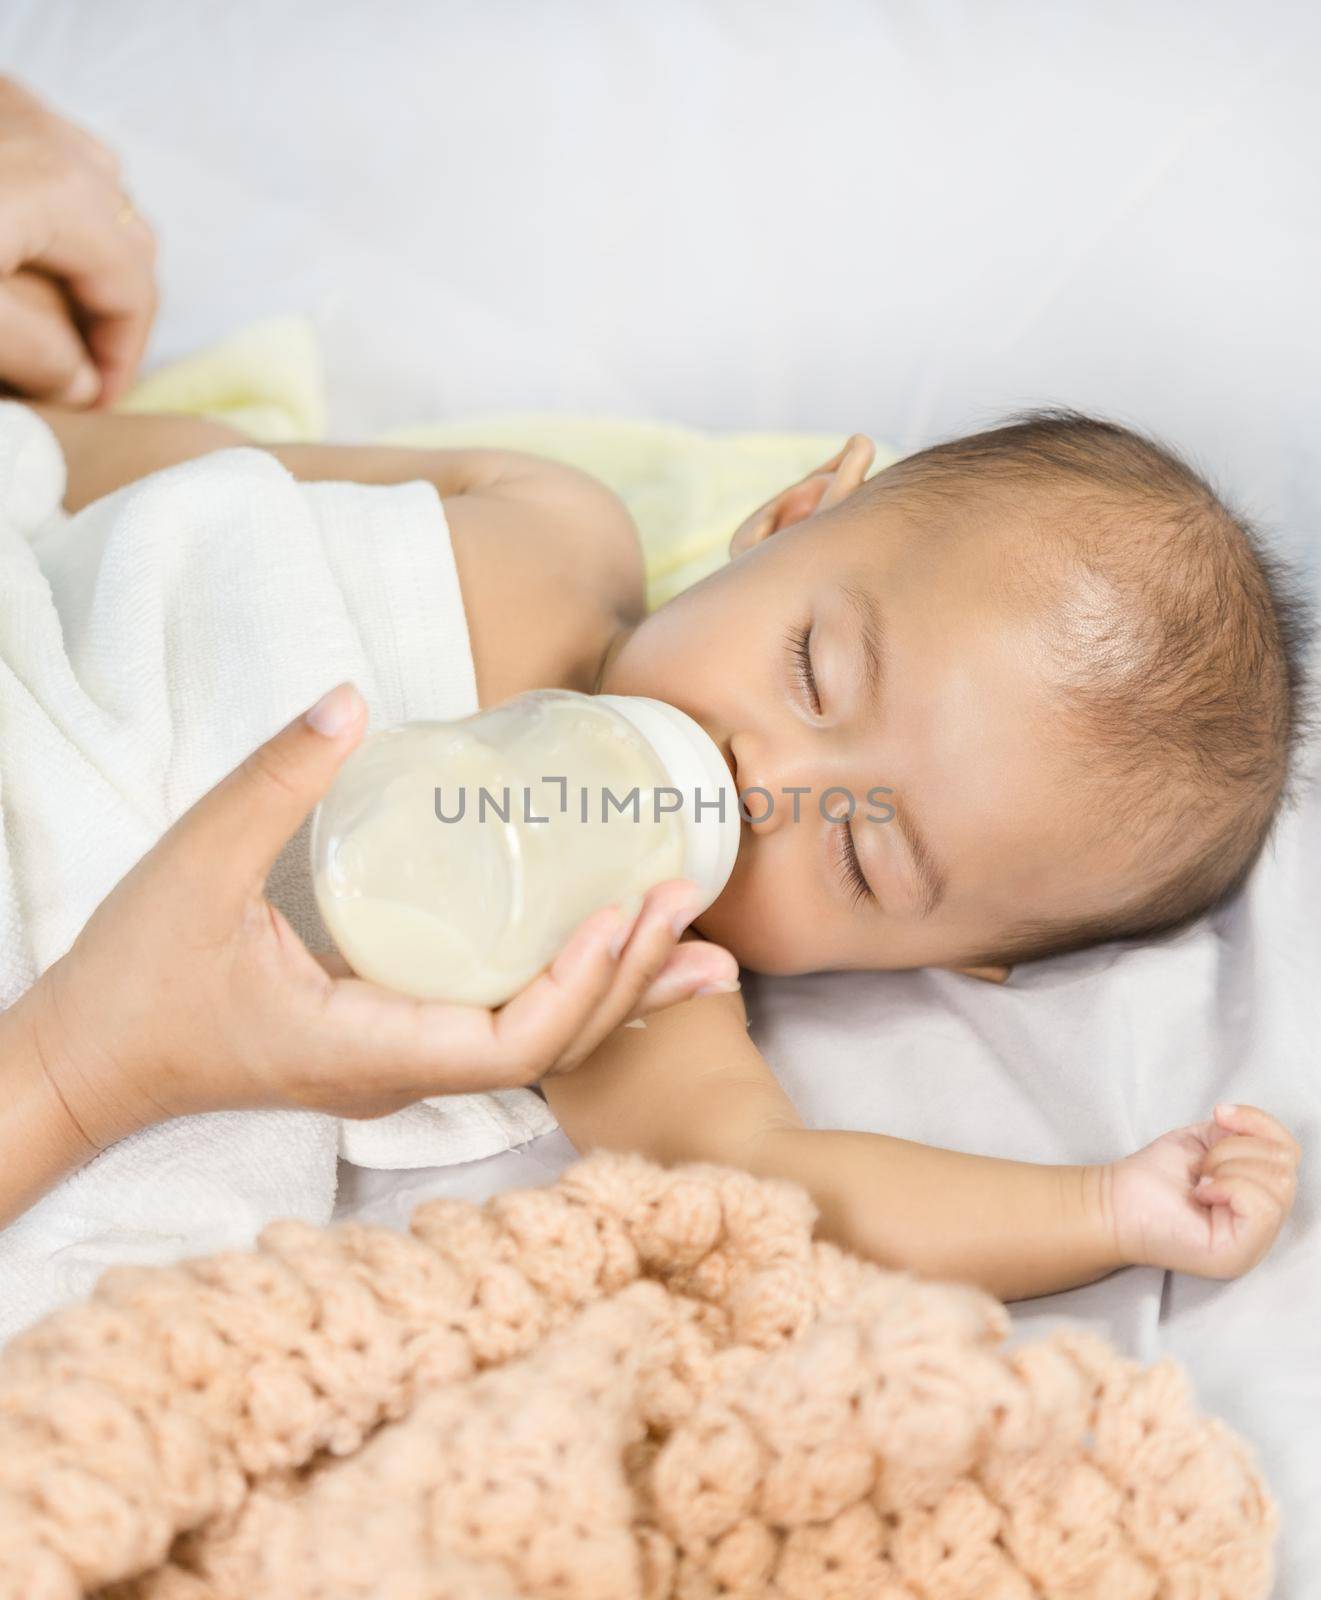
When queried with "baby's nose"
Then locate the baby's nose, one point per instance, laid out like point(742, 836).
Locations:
point(774, 786)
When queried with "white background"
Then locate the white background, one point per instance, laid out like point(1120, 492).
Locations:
point(904, 218)
point(898, 218)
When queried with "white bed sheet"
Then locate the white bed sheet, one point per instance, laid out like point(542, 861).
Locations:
point(904, 218)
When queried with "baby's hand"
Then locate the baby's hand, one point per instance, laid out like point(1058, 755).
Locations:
point(1207, 1199)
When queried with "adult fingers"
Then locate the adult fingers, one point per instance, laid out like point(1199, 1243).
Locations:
point(118, 338)
point(117, 321)
point(666, 911)
point(413, 1048)
point(250, 815)
point(65, 213)
point(332, 962)
point(694, 968)
point(116, 328)
point(395, 1048)
point(610, 970)
point(85, 143)
point(42, 353)
point(68, 220)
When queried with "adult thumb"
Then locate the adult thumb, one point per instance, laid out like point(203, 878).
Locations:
point(250, 815)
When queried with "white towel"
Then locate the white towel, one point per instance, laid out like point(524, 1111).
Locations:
point(147, 644)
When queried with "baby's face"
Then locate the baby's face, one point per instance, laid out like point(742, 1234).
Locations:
point(852, 653)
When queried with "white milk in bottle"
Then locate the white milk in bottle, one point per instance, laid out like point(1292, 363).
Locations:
point(453, 860)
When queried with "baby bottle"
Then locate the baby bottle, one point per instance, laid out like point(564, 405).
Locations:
point(453, 860)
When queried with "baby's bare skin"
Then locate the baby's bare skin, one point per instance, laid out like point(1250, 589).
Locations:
point(552, 578)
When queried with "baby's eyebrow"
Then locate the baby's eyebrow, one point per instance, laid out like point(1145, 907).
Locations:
point(872, 637)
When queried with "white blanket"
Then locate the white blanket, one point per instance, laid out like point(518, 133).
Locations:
point(146, 645)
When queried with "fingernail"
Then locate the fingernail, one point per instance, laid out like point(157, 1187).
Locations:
point(333, 712)
point(725, 986)
point(1226, 1108)
point(82, 388)
point(685, 914)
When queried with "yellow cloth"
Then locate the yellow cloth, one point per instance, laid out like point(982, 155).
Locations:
point(265, 380)
point(687, 490)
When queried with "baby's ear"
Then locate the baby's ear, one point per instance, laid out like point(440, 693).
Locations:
point(830, 483)
point(986, 974)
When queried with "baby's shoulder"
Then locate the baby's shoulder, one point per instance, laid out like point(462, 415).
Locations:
point(550, 566)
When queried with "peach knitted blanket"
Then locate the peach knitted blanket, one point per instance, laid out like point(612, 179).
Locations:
point(636, 1383)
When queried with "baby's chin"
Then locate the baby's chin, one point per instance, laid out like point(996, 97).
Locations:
point(749, 947)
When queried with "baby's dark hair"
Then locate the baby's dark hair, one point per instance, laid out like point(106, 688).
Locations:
point(1186, 686)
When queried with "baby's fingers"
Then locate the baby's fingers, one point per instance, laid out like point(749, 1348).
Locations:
point(1252, 1120)
point(1243, 1216)
point(1242, 1193)
point(1276, 1181)
point(1237, 1147)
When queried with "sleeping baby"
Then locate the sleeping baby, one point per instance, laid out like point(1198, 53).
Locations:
point(1077, 674)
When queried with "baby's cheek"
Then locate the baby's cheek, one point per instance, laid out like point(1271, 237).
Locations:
point(756, 929)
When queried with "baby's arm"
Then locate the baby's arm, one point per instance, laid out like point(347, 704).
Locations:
point(691, 1086)
point(549, 559)
point(103, 451)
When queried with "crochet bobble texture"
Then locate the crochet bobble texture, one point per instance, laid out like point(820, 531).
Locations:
point(635, 1383)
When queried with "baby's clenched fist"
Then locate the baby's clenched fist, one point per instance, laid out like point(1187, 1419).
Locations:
point(1208, 1199)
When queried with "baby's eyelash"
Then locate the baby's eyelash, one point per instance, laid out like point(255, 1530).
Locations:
point(798, 642)
point(851, 868)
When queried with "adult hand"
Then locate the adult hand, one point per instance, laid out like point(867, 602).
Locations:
point(187, 991)
point(77, 262)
